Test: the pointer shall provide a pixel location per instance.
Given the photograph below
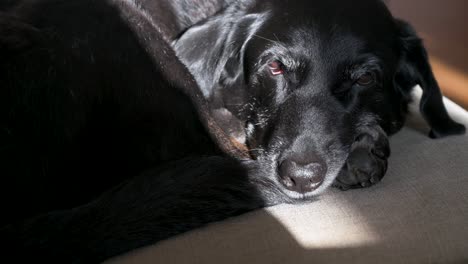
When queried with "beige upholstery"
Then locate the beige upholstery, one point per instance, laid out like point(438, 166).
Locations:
point(418, 214)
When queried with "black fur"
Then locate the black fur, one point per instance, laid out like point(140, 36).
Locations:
point(108, 144)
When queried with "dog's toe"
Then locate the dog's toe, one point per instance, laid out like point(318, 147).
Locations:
point(368, 178)
point(341, 186)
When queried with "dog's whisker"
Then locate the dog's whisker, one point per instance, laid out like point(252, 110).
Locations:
point(276, 37)
point(267, 39)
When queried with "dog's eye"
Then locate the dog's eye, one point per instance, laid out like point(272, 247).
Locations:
point(276, 67)
point(366, 79)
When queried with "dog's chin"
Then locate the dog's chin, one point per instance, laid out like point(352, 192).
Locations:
point(312, 195)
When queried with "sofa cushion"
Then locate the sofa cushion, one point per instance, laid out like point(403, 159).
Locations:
point(417, 214)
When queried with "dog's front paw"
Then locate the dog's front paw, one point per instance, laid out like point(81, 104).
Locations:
point(366, 164)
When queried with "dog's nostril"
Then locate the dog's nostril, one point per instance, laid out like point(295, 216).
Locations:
point(300, 177)
point(288, 182)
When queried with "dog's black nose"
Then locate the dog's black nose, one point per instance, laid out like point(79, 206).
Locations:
point(302, 177)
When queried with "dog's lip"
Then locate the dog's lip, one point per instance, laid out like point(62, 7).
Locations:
point(298, 195)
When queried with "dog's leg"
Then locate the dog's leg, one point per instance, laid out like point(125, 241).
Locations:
point(169, 200)
point(367, 161)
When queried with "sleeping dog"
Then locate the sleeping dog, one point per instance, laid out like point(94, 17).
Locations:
point(109, 143)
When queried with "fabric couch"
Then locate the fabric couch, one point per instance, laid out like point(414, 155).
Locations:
point(417, 214)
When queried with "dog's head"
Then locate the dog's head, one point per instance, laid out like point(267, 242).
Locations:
point(299, 81)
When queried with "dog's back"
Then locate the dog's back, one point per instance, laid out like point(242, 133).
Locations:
point(86, 103)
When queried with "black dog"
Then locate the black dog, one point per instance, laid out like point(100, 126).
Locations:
point(92, 96)
point(301, 81)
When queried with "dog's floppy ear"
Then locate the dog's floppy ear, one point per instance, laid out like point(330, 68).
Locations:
point(233, 70)
point(214, 52)
point(415, 69)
